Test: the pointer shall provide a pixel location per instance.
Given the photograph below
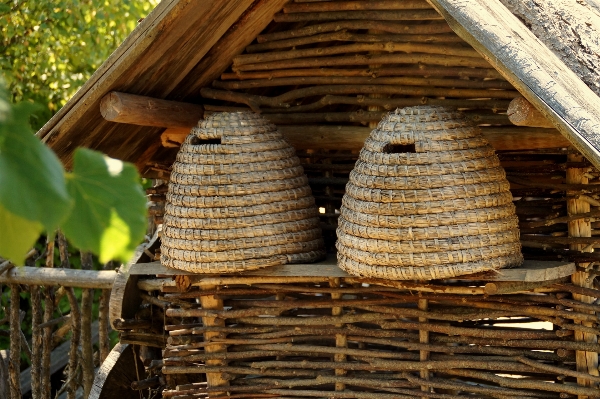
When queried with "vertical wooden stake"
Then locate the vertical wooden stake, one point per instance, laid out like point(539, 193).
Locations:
point(341, 340)
point(587, 362)
point(14, 365)
point(103, 321)
point(423, 304)
point(48, 315)
point(74, 348)
point(374, 67)
point(73, 364)
point(36, 342)
point(210, 302)
point(87, 355)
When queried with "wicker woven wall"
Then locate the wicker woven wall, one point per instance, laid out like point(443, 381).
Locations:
point(332, 69)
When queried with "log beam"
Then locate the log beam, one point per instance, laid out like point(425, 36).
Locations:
point(101, 279)
point(148, 111)
point(178, 118)
point(353, 137)
point(522, 113)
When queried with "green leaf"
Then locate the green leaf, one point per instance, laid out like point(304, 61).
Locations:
point(109, 215)
point(32, 182)
point(17, 236)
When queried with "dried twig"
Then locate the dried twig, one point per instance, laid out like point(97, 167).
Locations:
point(87, 360)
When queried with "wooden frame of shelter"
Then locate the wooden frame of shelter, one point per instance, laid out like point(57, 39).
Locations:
point(333, 69)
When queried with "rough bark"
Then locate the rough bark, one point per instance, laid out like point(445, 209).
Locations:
point(87, 360)
point(570, 28)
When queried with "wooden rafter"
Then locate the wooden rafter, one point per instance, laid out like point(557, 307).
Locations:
point(531, 67)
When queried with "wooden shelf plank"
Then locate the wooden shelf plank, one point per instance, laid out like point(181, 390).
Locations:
point(530, 271)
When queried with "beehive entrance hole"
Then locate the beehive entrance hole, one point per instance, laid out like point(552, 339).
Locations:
point(199, 141)
point(400, 149)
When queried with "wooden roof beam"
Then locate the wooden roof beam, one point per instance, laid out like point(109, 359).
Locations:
point(542, 78)
point(522, 113)
point(148, 111)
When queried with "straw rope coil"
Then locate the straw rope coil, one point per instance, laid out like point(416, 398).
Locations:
point(427, 199)
point(236, 178)
point(425, 182)
point(426, 207)
point(243, 232)
point(426, 170)
point(239, 211)
point(243, 243)
point(236, 168)
point(238, 200)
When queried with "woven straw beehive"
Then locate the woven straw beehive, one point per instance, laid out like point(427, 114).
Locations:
point(241, 203)
point(427, 199)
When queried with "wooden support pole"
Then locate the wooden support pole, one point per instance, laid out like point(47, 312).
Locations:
point(87, 351)
point(341, 340)
point(353, 137)
point(14, 365)
point(36, 341)
point(522, 113)
point(212, 303)
point(356, 5)
point(148, 111)
point(388, 47)
point(423, 304)
point(394, 15)
point(47, 331)
point(587, 362)
point(386, 26)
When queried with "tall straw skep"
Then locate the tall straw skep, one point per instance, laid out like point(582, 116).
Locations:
point(426, 200)
point(238, 200)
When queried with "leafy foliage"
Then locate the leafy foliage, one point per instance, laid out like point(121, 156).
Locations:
point(101, 205)
point(109, 203)
point(32, 182)
point(50, 48)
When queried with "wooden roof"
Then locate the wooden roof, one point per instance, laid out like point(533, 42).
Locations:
point(178, 48)
point(182, 47)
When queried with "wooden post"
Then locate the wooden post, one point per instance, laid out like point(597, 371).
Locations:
point(87, 356)
point(36, 341)
point(14, 365)
point(47, 331)
point(522, 113)
point(587, 362)
point(423, 304)
point(210, 302)
point(148, 111)
point(341, 340)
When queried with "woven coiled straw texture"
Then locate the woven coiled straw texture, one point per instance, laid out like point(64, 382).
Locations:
point(426, 200)
point(239, 205)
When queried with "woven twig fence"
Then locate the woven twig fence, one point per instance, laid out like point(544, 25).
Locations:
point(338, 337)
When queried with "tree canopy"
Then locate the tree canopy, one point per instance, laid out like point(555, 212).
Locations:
point(50, 48)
